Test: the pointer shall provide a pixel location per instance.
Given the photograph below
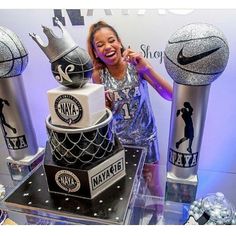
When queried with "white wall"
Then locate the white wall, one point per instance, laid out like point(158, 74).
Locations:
point(153, 28)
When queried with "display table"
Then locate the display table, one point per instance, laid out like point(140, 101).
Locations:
point(143, 205)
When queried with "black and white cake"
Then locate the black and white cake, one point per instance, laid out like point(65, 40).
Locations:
point(82, 147)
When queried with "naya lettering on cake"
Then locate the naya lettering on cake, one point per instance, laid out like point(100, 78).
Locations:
point(67, 181)
point(150, 53)
point(16, 143)
point(106, 174)
point(184, 160)
point(68, 109)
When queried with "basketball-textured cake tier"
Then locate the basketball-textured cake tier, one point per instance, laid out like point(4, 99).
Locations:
point(71, 147)
point(71, 65)
point(74, 69)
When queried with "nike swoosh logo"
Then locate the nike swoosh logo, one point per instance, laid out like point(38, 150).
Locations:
point(182, 60)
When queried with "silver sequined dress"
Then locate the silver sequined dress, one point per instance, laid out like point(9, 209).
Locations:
point(132, 113)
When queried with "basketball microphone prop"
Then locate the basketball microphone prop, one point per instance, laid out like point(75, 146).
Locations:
point(14, 114)
point(195, 56)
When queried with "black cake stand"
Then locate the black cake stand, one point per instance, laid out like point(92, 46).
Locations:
point(110, 207)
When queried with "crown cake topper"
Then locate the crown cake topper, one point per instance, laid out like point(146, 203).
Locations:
point(70, 64)
point(57, 47)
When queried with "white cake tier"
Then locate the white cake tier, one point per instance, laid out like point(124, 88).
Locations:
point(77, 108)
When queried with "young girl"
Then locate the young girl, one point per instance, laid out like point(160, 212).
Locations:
point(125, 74)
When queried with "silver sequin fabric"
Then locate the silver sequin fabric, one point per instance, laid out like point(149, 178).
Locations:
point(133, 119)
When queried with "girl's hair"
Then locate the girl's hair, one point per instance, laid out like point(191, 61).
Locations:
point(98, 64)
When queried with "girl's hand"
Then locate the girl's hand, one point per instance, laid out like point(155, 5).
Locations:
point(144, 67)
point(108, 99)
point(137, 59)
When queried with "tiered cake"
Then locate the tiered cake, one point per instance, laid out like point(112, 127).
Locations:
point(83, 157)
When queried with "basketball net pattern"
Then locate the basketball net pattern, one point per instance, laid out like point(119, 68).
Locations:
point(84, 147)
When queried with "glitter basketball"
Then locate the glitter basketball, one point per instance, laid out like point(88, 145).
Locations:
point(13, 55)
point(196, 54)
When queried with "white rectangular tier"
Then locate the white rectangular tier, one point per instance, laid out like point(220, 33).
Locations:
point(77, 108)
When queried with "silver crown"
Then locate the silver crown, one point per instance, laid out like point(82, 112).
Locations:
point(57, 47)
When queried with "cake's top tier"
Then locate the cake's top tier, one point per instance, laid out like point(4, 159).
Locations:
point(71, 65)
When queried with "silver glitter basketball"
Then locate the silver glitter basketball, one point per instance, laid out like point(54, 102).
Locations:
point(13, 55)
point(196, 54)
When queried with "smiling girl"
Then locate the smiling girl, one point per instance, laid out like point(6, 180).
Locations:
point(125, 74)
